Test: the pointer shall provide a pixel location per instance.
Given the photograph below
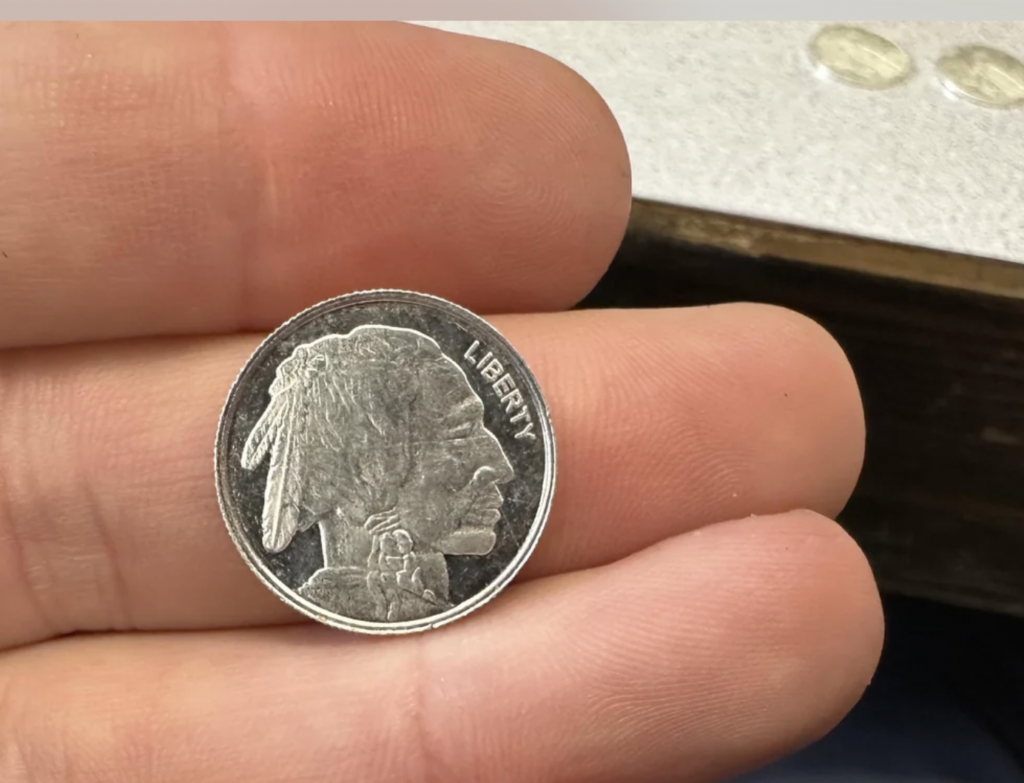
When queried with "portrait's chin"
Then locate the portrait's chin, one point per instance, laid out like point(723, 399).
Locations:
point(469, 541)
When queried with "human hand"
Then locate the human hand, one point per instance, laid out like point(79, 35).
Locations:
point(168, 191)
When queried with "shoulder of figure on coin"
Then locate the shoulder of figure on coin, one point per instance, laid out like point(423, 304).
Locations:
point(385, 462)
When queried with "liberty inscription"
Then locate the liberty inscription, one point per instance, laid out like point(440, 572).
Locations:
point(504, 386)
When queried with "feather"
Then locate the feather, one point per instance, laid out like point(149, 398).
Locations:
point(297, 431)
point(283, 497)
point(263, 434)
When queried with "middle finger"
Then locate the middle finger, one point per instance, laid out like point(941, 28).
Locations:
point(666, 421)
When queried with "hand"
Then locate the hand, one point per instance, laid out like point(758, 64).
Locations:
point(170, 189)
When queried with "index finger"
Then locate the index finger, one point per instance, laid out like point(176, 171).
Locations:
point(191, 178)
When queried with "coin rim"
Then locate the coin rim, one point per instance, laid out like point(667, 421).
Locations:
point(247, 549)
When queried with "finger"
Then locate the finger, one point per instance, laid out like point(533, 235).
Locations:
point(666, 420)
point(190, 178)
point(694, 660)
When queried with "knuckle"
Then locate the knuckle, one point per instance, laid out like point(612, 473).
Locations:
point(22, 576)
point(57, 570)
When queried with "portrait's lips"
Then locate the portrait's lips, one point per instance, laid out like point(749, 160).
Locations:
point(485, 510)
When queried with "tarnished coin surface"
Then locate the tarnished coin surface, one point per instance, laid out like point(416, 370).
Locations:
point(385, 462)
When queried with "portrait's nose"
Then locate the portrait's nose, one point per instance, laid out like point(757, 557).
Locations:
point(491, 474)
point(500, 470)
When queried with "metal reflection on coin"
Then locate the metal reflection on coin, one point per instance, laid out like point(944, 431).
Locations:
point(859, 58)
point(385, 462)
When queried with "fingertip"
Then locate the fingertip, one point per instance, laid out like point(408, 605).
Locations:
point(584, 141)
point(580, 147)
point(596, 143)
point(834, 624)
point(701, 657)
point(780, 640)
point(478, 170)
point(819, 424)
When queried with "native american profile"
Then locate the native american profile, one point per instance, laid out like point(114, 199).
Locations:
point(378, 438)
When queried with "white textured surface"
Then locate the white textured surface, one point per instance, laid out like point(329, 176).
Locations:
point(729, 116)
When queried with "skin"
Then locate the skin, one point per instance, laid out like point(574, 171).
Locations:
point(170, 189)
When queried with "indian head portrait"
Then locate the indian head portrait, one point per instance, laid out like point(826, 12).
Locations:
point(377, 438)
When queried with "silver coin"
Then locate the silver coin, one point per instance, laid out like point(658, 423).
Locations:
point(385, 462)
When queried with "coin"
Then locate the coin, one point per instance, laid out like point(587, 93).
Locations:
point(983, 75)
point(859, 57)
point(385, 462)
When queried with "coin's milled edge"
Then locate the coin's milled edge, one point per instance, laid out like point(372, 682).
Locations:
point(285, 593)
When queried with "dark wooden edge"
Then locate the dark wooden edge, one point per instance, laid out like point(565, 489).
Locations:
point(761, 239)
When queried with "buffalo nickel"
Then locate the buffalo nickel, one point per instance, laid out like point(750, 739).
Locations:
point(385, 462)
